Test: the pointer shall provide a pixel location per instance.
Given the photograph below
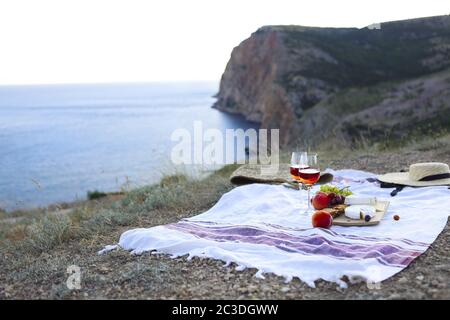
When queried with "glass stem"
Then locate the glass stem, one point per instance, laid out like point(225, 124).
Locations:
point(309, 199)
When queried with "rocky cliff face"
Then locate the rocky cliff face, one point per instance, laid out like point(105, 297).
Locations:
point(282, 76)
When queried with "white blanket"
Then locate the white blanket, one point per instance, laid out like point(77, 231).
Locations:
point(260, 226)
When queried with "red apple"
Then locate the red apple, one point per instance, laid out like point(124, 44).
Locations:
point(320, 201)
point(322, 219)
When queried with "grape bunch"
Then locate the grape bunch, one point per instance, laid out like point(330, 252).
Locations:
point(336, 199)
point(335, 195)
point(329, 188)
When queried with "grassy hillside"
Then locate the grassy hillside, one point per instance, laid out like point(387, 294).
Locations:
point(399, 50)
point(385, 114)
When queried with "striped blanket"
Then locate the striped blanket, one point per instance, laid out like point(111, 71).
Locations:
point(260, 226)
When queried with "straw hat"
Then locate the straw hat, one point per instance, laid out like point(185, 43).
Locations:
point(420, 175)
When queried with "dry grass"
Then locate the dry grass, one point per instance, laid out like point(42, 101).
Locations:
point(179, 194)
point(36, 250)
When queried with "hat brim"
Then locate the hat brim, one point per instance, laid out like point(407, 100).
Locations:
point(402, 178)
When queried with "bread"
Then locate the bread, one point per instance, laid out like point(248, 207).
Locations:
point(337, 210)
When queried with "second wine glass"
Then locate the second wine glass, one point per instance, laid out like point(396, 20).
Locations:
point(309, 175)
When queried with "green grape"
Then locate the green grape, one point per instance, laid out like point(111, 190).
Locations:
point(328, 188)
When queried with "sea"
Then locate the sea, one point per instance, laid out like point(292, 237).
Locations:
point(57, 142)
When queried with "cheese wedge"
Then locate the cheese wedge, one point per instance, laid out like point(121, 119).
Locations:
point(353, 212)
point(367, 211)
point(359, 212)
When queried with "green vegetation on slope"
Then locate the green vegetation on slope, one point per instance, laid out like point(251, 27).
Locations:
point(365, 57)
point(387, 114)
point(177, 194)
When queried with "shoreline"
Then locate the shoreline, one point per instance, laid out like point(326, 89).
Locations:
point(15, 216)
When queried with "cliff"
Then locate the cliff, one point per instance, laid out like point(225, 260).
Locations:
point(284, 76)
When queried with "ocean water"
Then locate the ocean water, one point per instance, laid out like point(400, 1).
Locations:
point(58, 142)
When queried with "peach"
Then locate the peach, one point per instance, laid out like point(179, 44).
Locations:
point(321, 201)
point(322, 219)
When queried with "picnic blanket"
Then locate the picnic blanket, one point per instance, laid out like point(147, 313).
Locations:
point(260, 226)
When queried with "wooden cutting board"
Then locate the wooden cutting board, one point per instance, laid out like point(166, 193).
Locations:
point(381, 209)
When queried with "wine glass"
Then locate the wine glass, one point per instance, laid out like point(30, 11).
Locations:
point(299, 160)
point(309, 175)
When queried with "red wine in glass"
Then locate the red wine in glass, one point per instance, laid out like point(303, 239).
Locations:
point(294, 172)
point(294, 169)
point(308, 176)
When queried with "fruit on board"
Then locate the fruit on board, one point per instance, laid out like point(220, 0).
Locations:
point(322, 219)
point(328, 188)
point(329, 196)
point(320, 201)
point(336, 199)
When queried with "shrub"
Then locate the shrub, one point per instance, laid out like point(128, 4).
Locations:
point(92, 195)
point(2, 213)
point(49, 232)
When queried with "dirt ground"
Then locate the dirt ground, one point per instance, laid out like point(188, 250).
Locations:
point(122, 275)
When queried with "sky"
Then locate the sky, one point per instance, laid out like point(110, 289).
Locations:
point(92, 41)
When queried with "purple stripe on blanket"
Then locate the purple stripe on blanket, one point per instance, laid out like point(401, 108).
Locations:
point(341, 235)
point(351, 236)
point(284, 234)
point(387, 254)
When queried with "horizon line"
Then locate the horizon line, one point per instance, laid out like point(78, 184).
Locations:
point(106, 83)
